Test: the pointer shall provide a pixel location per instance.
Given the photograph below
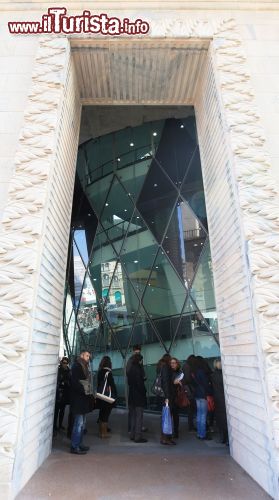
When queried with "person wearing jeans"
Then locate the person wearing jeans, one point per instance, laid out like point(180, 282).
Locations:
point(201, 417)
point(77, 432)
point(202, 389)
point(81, 401)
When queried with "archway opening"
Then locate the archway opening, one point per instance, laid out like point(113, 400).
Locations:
point(139, 263)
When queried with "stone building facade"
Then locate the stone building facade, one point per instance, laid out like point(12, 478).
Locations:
point(230, 73)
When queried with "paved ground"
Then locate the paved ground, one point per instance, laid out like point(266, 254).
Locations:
point(118, 469)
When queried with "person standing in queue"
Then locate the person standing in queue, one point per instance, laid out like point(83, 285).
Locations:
point(81, 400)
point(136, 350)
point(188, 368)
point(202, 389)
point(105, 376)
point(164, 369)
point(62, 393)
point(219, 399)
point(177, 377)
point(137, 397)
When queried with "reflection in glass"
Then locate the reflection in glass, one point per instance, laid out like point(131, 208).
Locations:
point(184, 240)
point(165, 294)
point(177, 148)
point(156, 200)
point(138, 252)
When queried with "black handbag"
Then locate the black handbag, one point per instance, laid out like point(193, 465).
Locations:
point(157, 387)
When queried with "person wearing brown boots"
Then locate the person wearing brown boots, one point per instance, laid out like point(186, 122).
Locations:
point(105, 376)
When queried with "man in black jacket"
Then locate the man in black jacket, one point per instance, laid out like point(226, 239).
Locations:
point(81, 400)
point(137, 397)
point(136, 350)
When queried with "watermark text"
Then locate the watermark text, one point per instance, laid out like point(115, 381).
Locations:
point(57, 21)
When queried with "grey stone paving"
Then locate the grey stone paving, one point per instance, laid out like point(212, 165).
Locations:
point(117, 468)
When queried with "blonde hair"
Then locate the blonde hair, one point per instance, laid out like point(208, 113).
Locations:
point(217, 364)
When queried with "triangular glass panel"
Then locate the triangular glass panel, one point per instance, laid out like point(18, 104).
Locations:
point(184, 327)
point(165, 294)
point(103, 261)
point(87, 313)
point(117, 233)
point(100, 339)
point(100, 159)
point(118, 209)
point(175, 150)
point(192, 189)
point(189, 125)
point(184, 241)
point(121, 303)
point(133, 176)
point(81, 339)
point(165, 326)
point(205, 342)
point(157, 200)
point(79, 273)
point(82, 167)
point(69, 321)
point(80, 245)
point(202, 288)
point(138, 252)
point(143, 331)
point(210, 319)
point(97, 192)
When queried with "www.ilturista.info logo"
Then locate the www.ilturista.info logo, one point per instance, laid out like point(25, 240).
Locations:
point(57, 21)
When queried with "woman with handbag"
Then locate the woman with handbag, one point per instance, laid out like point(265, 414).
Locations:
point(167, 400)
point(202, 393)
point(106, 394)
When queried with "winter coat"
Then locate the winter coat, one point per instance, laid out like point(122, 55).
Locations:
point(167, 382)
point(129, 364)
point(219, 398)
point(110, 381)
point(137, 390)
point(80, 402)
point(63, 386)
point(201, 383)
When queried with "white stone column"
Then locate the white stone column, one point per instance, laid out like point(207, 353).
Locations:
point(243, 216)
point(33, 255)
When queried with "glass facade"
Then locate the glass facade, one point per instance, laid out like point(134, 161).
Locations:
point(139, 268)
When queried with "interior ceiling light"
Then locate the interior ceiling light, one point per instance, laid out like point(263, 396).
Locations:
point(181, 126)
point(155, 185)
point(118, 159)
point(131, 144)
point(154, 133)
point(135, 261)
point(107, 204)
